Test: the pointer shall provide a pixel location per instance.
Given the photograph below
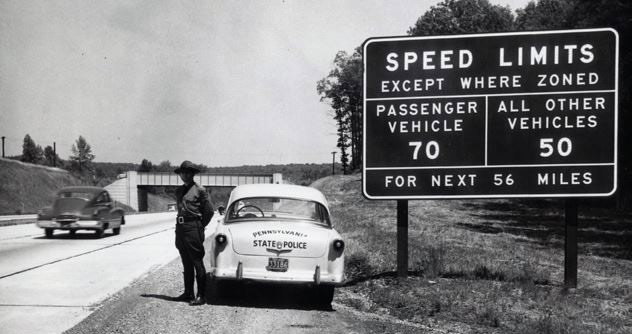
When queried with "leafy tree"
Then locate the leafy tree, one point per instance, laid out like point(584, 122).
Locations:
point(461, 17)
point(164, 166)
point(342, 88)
point(145, 166)
point(81, 158)
point(31, 152)
point(100, 173)
point(545, 14)
point(51, 158)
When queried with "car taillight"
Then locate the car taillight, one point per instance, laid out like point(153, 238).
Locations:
point(339, 245)
point(220, 239)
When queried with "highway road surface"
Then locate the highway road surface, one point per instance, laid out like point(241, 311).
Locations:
point(49, 285)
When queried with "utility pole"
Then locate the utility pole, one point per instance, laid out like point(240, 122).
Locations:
point(3, 146)
point(54, 154)
point(333, 163)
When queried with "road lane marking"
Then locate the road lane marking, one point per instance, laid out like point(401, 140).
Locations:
point(85, 253)
point(21, 237)
point(45, 305)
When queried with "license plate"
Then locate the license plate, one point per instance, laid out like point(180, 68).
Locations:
point(277, 264)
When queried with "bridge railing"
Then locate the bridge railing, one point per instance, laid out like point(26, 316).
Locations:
point(203, 179)
point(126, 188)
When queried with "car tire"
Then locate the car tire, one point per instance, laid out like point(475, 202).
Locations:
point(48, 232)
point(98, 233)
point(324, 295)
point(122, 220)
point(224, 289)
point(116, 230)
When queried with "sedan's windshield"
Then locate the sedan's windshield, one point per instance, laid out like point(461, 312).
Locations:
point(275, 208)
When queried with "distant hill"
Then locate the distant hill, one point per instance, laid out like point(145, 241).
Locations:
point(301, 174)
point(297, 173)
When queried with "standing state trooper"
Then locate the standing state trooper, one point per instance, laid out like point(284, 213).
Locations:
point(194, 213)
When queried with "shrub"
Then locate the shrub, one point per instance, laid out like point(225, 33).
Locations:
point(358, 266)
point(482, 272)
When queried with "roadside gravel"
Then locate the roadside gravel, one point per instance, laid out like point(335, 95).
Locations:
point(146, 307)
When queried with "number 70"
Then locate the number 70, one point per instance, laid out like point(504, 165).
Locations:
point(432, 149)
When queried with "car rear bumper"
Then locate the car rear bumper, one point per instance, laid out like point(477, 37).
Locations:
point(271, 277)
point(311, 276)
point(72, 225)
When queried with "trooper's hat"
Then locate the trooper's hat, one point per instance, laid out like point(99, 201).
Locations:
point(187, 165)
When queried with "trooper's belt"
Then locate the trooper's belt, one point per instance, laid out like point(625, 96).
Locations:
point(182, 219)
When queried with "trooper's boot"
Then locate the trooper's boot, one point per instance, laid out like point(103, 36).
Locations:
point(188, 295)
point(201, 295)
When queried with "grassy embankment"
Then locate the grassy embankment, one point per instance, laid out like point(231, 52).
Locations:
point(26, 188)
point(484, 266)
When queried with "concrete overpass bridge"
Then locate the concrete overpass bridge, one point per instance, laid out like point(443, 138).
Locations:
point(131, 187)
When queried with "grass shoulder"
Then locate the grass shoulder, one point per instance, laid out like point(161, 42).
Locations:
point(484, 265)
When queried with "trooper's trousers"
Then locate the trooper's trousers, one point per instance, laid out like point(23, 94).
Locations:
point(190, 244)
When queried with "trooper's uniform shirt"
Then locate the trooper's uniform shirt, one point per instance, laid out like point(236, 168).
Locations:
point(194, 213)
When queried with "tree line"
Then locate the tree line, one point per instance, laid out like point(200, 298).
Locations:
point(79, 161)
point(342, 87)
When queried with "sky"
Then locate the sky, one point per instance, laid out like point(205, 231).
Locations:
point(220, 83)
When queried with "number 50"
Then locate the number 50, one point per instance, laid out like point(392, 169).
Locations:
point(564, 147)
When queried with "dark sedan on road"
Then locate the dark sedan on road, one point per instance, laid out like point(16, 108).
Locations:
point(81, 208)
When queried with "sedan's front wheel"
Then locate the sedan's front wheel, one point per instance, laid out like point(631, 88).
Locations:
point(98, 233)
point(116, 230)
point(48, 232)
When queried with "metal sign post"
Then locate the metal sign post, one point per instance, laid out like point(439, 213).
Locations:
point(402, 238)
point(570, 243)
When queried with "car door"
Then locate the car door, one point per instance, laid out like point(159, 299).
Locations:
point(104, 205)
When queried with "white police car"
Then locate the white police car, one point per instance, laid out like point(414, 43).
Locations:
point(278, 233)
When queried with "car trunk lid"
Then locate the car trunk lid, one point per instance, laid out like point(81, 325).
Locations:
point(286, 239)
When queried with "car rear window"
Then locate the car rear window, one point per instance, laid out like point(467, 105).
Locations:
point(276, 208)
point(76, 194)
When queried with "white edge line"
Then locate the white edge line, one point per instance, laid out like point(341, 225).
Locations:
point(364, 112)
point(490, 196)
point(497, 34)
point(616, 108)
point(486, 128)
point(488, 95)
point(492, 166)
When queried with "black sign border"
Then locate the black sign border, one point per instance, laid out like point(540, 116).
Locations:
point(483, 35)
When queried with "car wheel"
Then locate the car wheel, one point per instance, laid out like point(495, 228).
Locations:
point(324, 295)
point(116, 230)
point(48, 232)
point(122, 220)
point(98, 233)
point(224, 289)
